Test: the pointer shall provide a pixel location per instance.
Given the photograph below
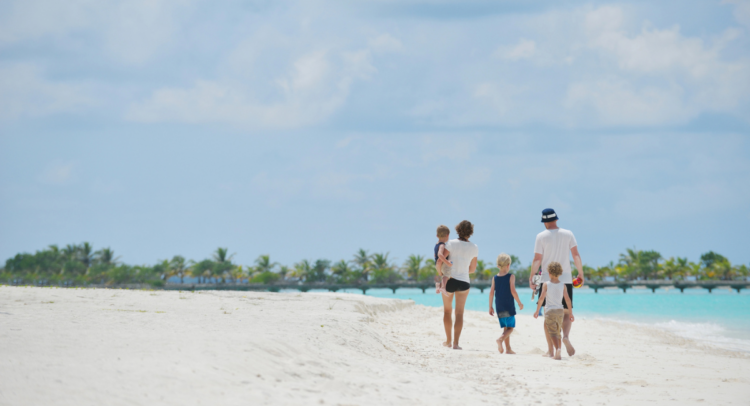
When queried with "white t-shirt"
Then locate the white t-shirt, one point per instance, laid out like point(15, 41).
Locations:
point(461, 254)
point(555, 246)
point(554, 297)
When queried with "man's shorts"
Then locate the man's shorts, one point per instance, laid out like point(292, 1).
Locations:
point(553, 320)
point(509, 322)
point(569, 288)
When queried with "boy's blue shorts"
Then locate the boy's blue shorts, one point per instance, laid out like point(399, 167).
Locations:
point(509, 322)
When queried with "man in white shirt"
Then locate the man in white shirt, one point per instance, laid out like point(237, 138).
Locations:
point(553, 245)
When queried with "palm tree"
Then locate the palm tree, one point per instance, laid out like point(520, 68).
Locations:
point(710, 258)
point(633, 262)
point(741, 270)
point(220, 255)
point(106, 256)
point(723, 269)
point(340, 271)
point(428, 271)
point(180, 267)
point(203, 269)
point(412, 266)
point(670, 268)
point(695, 269)
point(363, 260)
point(263, 264)
point(223, 263)
point(86, 254)
point(650, 265)
point(166, 271)
point(284, 271)
point(479, 272)
point(383, 270)
point(302, 270)
point(70, 252)
point(380, 261)
point(319, 269)
point(237, 273)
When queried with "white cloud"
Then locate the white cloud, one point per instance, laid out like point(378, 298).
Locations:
point(662, 76)
point(311, 91)
point(32, 19)
point(385, 43)
point(525, 49)
point(741, 11)
point(137, 30)
point(128, 31)
point(57, 173)
point(288, 67)
point(653, 50)
point(437, 148)
point(618, 102)
point(25, 92)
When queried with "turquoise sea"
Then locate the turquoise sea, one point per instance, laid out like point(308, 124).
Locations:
point(720, 318)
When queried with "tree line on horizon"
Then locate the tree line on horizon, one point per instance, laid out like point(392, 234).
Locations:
point(81, 265)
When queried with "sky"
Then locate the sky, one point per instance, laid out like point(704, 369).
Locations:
point(311, 129)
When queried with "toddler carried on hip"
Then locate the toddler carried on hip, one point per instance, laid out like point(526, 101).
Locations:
point(442, 264)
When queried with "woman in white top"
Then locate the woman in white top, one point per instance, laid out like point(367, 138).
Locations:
point(463, 254)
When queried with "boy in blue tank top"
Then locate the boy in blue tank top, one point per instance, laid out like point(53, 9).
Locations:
point(503, 291)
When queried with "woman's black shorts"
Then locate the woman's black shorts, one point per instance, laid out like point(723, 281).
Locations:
point(454, 285)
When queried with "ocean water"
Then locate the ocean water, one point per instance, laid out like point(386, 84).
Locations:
point(720, 318)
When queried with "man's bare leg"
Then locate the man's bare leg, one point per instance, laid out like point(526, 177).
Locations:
point(557, 348)
point(459, 324)
point(567, 324)
point(447, 318)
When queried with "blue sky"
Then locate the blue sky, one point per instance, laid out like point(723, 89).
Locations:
point(311, 129)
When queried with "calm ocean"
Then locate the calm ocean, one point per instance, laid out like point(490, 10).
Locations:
point(720, 318)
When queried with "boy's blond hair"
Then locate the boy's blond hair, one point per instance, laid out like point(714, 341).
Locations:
point(554, 269)
point(443, 231)
point(503, 260)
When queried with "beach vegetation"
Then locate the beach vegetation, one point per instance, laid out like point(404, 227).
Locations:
point(80, 265)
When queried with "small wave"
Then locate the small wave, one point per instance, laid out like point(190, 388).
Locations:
point(705, 333)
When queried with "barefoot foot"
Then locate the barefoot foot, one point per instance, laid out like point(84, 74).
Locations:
point(446, 344)
point(557, 355)
point(499, 342)
point(569, 347)
point(510, 352)
point(547, 355)
point(456, 347)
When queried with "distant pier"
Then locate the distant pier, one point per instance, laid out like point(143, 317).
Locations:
point(481, 285)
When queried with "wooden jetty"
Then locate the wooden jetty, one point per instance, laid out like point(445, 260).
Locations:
point(737, 285)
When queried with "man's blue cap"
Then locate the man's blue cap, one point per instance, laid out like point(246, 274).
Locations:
point(548, 215)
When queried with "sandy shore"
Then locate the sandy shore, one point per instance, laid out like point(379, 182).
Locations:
point(116, 347)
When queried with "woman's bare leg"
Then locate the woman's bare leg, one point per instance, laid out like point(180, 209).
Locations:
point(459, 325)
point(447, 317)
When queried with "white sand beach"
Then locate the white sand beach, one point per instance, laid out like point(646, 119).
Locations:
point(118, 347)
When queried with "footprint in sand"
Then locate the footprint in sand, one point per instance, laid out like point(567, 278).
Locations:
point(584, 358)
